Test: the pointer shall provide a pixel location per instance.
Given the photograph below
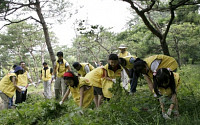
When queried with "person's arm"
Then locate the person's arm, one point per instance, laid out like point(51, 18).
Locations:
point(81, 96)
point(67, 67)
point(41, 74)
point(54, 71)
point(14, 81)
point(87, 69)
point(29, 79)
point(66, 95)
point(150, 84)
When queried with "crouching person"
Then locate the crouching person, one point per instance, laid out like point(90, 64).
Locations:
point(8, 86)
point(166, 84)
point(80, 88)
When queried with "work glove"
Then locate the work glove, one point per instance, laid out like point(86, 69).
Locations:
point(23, 89)
point(61, 102)
point(34, 85)
point(154, 95)
point(114, 80)
point(165, 116)
point(169, 112)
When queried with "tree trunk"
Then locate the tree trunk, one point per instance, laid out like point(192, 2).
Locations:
point(46, 32)
point(164, 47)
point(35, 67)
point(177, 51)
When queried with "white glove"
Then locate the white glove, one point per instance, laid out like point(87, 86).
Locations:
point(52, 77)
point(114, 80)
point(165, 116)
point(154, 95)
point(34, 84)
point(61, 102)
point(169, 112)
point(23, 89)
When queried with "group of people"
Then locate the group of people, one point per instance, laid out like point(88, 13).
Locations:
point(94, 83)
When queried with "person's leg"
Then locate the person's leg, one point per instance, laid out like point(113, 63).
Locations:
point(5, 99)
point(133, 83)
point(45, 88)
point(10, 102)
point(24, 95)
point(63, 87)
point(18, 97)
point(95, 97)
point(48, 89)
point(57, 87)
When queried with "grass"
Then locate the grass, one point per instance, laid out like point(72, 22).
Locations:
point(122, 109)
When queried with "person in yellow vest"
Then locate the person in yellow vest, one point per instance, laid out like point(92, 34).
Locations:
point(23, 84)
point(8, 86)
point(125, 76)
point(60, 67)
point(166, 84)
point(127, 63)
point(80, 88)
point(150, 65)
point(82, 68)
point(112, 71)
point(95, 77)
point(46, 74)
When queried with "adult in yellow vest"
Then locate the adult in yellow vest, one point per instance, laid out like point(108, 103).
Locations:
point(124, 53)
point(152, 64)
point(60, 67)
point(166, 83)
point(112, 71)
point(127, 63)
point(23, 84)
point(46, 74)
point(82, 68)
point(95, 77)
point(80, 88)
point(8, 85)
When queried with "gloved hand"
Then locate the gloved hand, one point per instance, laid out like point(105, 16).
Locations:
point(169, 112)
point(52, 77)
point(154, 95)
point(114, 80)
point(61, 102)
point(34, 85)
point(23, 89)
point(165, 116)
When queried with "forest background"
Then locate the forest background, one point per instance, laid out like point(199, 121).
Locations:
point(169, 27)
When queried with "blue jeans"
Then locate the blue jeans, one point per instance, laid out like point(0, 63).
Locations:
point(10, 103)
point(133, 81)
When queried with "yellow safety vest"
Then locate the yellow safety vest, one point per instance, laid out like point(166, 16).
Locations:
point(82, 69)
point(168, 92)
point(95, 77)
point(7, 86)
point(123, 54)
point(48, 74)
point(88, 94)
point(60, 68)
point(128, 64)
point(22, 79)
point(107, 84)
point(166, 62)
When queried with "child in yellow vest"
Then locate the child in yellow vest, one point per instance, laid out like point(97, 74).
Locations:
point(166, 83)
point(80, 88)
point(46, 74)
point(23, 84)
point(8, 86)
point(60, 67)
point(95, 77)
point(150, 65)
point(82, 68)
point(112, 71)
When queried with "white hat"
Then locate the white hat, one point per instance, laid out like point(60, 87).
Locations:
point(122, 46)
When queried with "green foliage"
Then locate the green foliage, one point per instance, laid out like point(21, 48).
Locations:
point(142, 108)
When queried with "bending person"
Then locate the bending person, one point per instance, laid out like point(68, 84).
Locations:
point(80, 88)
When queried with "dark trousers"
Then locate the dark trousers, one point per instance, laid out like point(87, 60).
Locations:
point(133, 81)
point(20, 96)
